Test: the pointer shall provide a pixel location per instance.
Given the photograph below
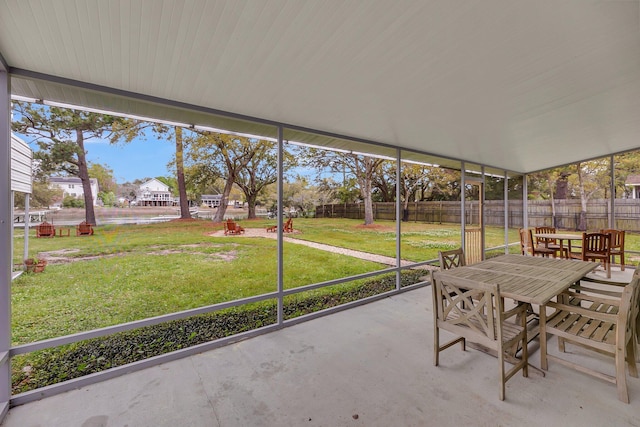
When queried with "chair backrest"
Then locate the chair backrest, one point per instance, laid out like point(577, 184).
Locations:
point(617, 237)
point(595, 244)
point(451, 259)
point(545, 230)
point(525, 243)
point(629, 308)
point(465, 307)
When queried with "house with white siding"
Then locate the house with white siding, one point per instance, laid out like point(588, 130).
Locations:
point(72, 186)
point(154, 193)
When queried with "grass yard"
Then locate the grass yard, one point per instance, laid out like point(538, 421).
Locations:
point(131, 272)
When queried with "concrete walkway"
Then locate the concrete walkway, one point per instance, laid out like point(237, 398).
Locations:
point(259, 232)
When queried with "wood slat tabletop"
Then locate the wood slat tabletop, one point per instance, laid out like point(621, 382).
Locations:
point(534, 280)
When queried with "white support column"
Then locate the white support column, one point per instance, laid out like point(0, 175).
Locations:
point(398, 218)
point(6, 223)
point(612, 192)
point(280, 251)
point(27, 218)
point(462, 204)
point(506, 212)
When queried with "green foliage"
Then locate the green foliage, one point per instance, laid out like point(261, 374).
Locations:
point(108, 199)
point(104, 175)
point(95, 355)
point(71, 202)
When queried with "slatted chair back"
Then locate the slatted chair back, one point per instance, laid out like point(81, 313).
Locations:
point(538, 249)
point(616, 244)
point(525, 243)
point(602, 323)
point(451, 259)
point(596, 247)
point(45, 229)
point(474, 311)
point(84, 229)
point(546, 230)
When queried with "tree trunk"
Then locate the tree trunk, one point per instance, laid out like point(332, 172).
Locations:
point(251, 204)
point(365, 186)
point(182, 188)
point(554, 220)
point(582, 222)
point(83, 174)
point(224, 201)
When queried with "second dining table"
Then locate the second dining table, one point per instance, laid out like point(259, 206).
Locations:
point(561, 238)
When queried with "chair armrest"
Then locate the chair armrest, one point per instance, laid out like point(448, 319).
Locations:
point(606, 317)
point(608, 288)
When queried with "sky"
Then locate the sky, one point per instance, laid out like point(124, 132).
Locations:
point(139, 159)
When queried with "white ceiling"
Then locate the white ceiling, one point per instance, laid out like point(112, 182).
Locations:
point(514, 84)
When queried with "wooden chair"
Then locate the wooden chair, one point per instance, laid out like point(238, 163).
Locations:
point(616, 247)
point(605, 287)
point(528, 245)
point(475, 311)
point(231, 227)
point(287, 227)
point(549, 243)
point(451, 259)
point(596, 247)
point(45, 229)
point(603, 329)
point(84, 229)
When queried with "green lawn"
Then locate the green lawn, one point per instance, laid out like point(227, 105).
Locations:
point(140, 271)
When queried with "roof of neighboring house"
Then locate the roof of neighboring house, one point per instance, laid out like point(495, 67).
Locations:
point(211, 196)
point(155, 181)
point(633, 180)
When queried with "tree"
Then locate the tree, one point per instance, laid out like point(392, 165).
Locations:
point(182, 188)
point(106, 183)
point(61, 134)
point(361, 167)
point(42, 196)
point(224, 156)
point(259, 172)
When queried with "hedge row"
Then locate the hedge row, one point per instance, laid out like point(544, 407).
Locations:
point(64, 363)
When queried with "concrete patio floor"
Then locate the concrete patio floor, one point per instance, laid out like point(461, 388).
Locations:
point(368, 366)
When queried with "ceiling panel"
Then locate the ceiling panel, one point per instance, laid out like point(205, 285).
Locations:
point(517, 85)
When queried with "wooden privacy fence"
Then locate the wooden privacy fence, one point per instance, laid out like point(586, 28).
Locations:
point(598, 213)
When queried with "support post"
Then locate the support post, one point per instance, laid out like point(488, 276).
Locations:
point(6, 224)
point(279, 219)
point(398, 219)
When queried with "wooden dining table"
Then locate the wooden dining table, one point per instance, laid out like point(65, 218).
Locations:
point(527, 279)
point(561, 238)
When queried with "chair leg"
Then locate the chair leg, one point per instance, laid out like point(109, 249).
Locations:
point(621, 377)
point(502, 379)
point(631, 358)
point(436, 346)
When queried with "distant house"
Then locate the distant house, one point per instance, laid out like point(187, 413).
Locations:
point(211, 200)
point(154, 193)
point(72, 186)
point(633, 184)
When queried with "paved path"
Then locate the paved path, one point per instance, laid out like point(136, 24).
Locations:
point(259, 232)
